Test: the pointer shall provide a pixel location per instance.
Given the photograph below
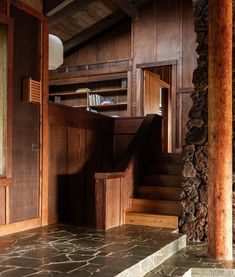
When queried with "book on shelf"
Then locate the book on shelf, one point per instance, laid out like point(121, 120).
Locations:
point(95, 99)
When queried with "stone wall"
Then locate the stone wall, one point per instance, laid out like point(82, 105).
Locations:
point(193, 220)
point(194, 199)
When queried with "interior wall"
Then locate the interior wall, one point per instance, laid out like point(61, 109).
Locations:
point(163, 32)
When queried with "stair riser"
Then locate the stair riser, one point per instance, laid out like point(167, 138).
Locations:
point(151, 220)
point(156, 206)
point(161, 180)
point(159, 193)
point(173, 158)
point(165, 168)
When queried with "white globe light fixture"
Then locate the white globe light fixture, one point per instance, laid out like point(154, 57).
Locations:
point(56, 52)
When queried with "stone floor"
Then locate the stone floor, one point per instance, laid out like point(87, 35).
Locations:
point(60, 250)
point(193, 261)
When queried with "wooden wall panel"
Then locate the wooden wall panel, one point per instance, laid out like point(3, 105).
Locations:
point(114, 44)
point(188, 44)
point(145, 35)
point(168, 28)
point(57, 170)
point(164, 32)
point(2, 206)
point(79, 146)
point(76, 174)
point(24, 193)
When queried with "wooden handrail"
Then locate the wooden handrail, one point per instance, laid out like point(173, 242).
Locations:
point(133, 149)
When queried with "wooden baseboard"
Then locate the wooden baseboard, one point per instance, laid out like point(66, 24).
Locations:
point(20, 226)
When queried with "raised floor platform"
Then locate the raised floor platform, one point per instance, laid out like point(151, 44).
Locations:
point(192, 261)
point(60, 250)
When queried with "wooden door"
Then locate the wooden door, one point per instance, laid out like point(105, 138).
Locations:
point(151, 93)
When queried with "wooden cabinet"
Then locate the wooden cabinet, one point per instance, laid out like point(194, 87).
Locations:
point(106, 94)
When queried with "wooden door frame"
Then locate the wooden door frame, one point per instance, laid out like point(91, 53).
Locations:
point(171, 99)
point(42, 219)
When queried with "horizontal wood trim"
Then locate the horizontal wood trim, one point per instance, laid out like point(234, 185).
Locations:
point(85, 73)
point(87, 79)
point(156, 64)
point(20, 226)
point(110, 175)
point(4, 182)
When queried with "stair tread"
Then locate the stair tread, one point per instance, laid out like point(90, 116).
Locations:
point(150, 213)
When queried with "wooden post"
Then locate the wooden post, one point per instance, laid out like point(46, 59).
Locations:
point(220, 130)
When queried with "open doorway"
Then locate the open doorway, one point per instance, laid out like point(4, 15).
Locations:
point(157, 98)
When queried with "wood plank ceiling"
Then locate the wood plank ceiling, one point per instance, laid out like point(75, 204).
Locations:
point(77, 21)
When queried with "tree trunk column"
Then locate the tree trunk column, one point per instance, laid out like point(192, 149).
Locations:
point(220, 130)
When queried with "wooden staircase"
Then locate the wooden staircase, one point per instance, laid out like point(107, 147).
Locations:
point(157, 198)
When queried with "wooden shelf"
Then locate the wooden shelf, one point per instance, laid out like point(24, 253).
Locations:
point(109, 91)
point(71, 93)
point(79, 106)
point(109, 106)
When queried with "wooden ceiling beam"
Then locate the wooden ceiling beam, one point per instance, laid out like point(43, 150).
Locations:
point(68, 10)
point(127, 7)
point(97, 28)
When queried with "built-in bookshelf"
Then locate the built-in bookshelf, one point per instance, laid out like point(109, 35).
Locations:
point(104, 96)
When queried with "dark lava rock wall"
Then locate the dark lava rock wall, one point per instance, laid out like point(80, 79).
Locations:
point(193, 219)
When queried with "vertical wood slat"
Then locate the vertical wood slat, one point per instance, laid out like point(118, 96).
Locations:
point(44, 129)
point(220, 244)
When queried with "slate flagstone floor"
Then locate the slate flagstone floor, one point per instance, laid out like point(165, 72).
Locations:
point(60, 250)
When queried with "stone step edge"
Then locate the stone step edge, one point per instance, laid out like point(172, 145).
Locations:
point(208, 272)
point(149, 263)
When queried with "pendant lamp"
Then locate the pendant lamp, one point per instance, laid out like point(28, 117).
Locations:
point(56, 52)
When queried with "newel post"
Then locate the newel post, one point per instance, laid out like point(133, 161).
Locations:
point(220, 130)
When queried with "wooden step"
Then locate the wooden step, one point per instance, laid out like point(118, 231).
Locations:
point(175, 158)
point(165, 168)
point(159, 193)
point(153, 220)
point(161, 180)
point(155, 206)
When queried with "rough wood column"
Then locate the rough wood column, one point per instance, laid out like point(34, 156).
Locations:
point(220, 130)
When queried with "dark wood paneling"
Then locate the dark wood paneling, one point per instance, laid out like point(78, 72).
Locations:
point(57, 170)
point(164, 32)
point(105, 47)
point(188, 44)
point(24, 193)
point(81, 143)
point(2, 205)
